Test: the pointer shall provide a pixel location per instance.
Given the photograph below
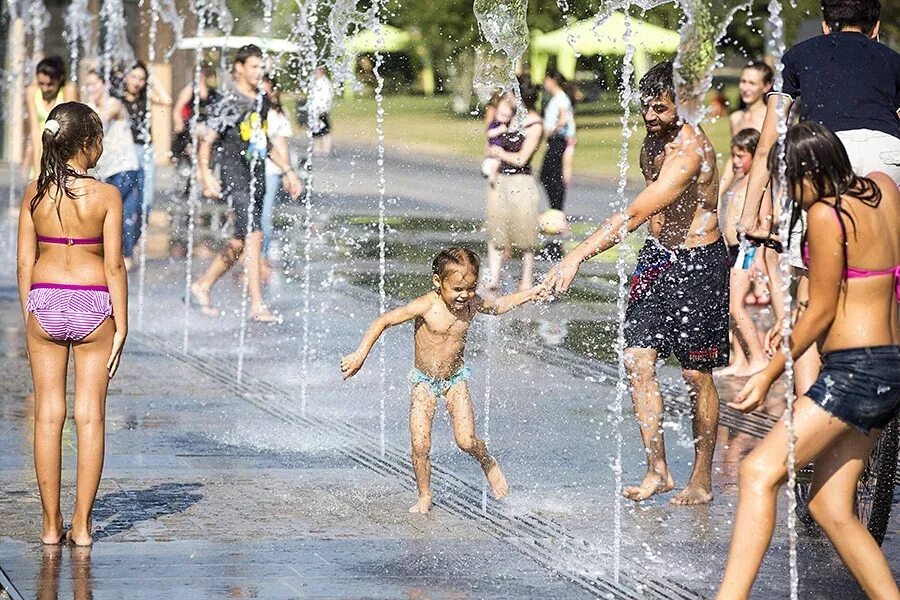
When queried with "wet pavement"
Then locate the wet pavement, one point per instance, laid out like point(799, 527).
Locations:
point(215, 487)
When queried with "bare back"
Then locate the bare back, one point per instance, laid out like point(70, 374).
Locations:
point(440, 336)
point(868, 311)
point(80, 217)
point(692, 219)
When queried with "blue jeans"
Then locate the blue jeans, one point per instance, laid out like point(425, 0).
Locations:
point(149, 169)
point(273, 184)
point(130, 185)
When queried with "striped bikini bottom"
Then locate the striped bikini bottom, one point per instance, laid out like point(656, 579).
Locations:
point(69, 313)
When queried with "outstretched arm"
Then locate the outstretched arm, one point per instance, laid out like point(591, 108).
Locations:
point(826, 261)
point(759, 169)
point(504, 304)
point(353, 362)
point(678, 171)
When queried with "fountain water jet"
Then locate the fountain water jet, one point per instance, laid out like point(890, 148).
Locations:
point(306, 27)
point(116, 49)
point(199, 8)
point(148, 156)
point(781, 199)
point(625, 96)
point(378, 27)
point(503, 25)
point(254, 163)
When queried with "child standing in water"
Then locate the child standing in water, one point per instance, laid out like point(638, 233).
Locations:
point(74, 298)
point(442, 319)
point(745, 338)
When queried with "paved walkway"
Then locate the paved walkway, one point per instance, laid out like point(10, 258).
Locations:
point(215, 487)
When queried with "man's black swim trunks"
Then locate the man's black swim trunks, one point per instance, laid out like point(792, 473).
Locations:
point(679, 304)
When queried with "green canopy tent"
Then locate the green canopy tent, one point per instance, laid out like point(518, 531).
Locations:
point(608, 39)
point(395, 40)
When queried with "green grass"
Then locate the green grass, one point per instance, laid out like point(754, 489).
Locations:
point(425, 125)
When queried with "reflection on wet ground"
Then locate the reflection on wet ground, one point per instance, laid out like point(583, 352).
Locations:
point(213, 489)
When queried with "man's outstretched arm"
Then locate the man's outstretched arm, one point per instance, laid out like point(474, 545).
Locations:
point(679, 171)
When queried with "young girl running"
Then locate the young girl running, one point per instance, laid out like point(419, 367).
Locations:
point(852, 252)
point(74, 297)
point(442, 318)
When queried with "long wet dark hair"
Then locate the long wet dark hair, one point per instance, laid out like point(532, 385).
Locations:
point(79, 128)
point(814, 152)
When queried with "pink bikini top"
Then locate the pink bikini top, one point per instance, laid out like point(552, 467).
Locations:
point(69, 241)
point(854, 273)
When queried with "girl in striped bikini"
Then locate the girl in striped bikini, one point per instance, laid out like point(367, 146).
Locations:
point(74, 297)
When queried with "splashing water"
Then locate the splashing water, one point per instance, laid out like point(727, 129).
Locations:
point(225, 22)
point(79, 35)
point(503, 25)
point(608, 8)
point(37, 19)
point(168, 13)
point(779, 195)
point(116, 49)
point(345, 20)
point(697, 56)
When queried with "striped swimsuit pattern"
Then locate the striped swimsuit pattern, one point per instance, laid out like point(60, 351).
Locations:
point(69, 313)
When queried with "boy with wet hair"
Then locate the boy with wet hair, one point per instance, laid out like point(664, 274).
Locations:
point(679, 291)
point(745, 337)
point(442, 318)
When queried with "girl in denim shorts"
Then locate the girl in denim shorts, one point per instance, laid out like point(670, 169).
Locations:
point(852, 251)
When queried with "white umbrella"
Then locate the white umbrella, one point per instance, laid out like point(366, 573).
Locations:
point(236, 41)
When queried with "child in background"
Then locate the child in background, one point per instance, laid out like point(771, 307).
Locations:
point(747, 350)
point(497, 128)
point(566, 123)
point(441, 323)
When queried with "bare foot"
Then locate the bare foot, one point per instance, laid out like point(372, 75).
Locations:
point(53, 534)
point(692, 494)
point(200, 295)
point(263, 315)
point(497, 481)
point(422, 507)
point(79, 539)
point(653, 483)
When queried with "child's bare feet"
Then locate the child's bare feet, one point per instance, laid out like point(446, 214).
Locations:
point(692, 494)
point(497, 481)
point(201, 297)
point(79, 539)
point(653, 483)
point(422, 507)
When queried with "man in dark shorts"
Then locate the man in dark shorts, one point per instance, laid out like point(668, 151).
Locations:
point(238, 121)
point(679, 292)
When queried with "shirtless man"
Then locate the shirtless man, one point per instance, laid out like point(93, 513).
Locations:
point(679, 291)
point(442, 318)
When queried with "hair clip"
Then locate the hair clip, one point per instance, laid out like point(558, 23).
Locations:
point(52, 126)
